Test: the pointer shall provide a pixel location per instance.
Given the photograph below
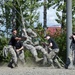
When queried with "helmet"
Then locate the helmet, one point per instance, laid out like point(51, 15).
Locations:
point(29, 30)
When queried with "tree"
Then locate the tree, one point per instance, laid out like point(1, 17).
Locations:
point(60, 6)
point(13, 10)
point(45, 17)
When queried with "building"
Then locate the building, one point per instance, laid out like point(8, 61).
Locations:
point(52, 30)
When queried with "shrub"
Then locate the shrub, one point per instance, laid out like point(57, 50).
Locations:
point(3, 42)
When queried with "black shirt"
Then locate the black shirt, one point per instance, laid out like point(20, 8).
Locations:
point(54, 44)
point(73, 41)
point(18, 44)
point(13, 40)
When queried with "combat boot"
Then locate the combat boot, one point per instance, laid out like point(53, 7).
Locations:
point(38, 59)
point(58, 64)
point(10, 65)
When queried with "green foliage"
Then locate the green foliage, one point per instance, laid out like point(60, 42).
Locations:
point(3, 42)
point(40, 31)
point(61, 41)
point(60, 6)
point(27, 53)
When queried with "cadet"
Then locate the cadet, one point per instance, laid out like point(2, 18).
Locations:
point(38, 47)
point(33, 35)
point(20, 51)
point(72, 46)
point(28, 44)
point(52, 45)
point(12, 44)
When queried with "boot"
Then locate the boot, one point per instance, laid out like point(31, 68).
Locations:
point(44, 60)
point(58, 64)
point(10, 65)
point(50, 61)
point(38, 59)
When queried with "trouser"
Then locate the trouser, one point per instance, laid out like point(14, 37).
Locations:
point(56, 50)
point(73, 53)
point(31, 48)
point(53, 56)
point(21, 56)
point(41, 49)
point(73, 56)
point(49, 58)
point(13, 54)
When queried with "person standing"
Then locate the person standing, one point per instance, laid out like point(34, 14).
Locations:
point(72, 46)
point(12, 43)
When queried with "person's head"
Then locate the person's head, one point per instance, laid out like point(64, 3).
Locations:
point(14, 31)
point(47, 37)
point(29, 30)
point(73, 34)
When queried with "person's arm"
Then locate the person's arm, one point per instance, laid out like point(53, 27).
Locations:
point(17, 38)
point(50, 44)
point(20, 49)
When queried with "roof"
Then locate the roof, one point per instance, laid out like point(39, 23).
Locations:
point(53, 30)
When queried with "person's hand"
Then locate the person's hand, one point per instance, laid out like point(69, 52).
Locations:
point(17, 50)
point(23, 29)
point(23, 38)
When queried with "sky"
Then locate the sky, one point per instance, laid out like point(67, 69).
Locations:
point(51, 16)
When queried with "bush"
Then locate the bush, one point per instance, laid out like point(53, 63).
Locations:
point(3, 42)
point(61, 41)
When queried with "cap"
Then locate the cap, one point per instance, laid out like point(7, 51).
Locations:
point(29, 30)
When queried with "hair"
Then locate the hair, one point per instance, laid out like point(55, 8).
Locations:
point(13, 30)
point(46, 35)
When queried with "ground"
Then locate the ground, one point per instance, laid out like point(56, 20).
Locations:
point(35, 71)
point(32, 68)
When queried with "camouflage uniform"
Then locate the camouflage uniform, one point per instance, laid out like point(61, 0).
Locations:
point(28, 44)
point(53, 49)
point(21, 56)
point(33, 35)
point(19, 51)
point(9, 49)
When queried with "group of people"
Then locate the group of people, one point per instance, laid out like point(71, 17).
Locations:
point(16, 47)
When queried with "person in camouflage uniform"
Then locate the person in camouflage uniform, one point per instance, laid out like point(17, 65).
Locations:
point(28, 44)
point(12, 43)
point(19, 49)
point(36, 44)
point(53, 50)
point(9, 49)
point(33, 35)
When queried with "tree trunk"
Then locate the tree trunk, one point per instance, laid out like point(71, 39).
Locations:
point(7, 12)
point(45, 17)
